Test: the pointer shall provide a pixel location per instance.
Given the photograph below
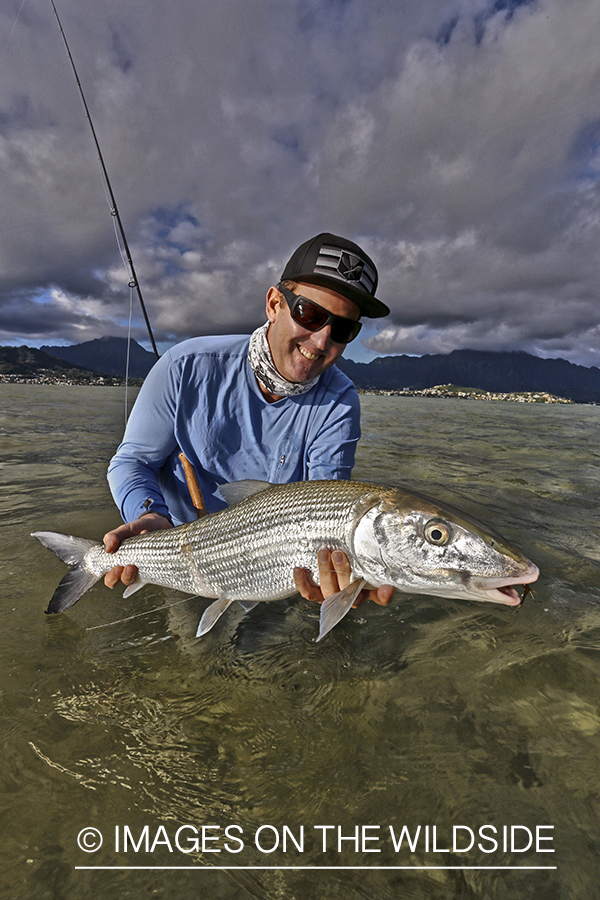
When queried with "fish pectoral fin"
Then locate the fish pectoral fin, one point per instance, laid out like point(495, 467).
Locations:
point(335, 607)
point(211, 614)
point(247, 605)
point(137, 584)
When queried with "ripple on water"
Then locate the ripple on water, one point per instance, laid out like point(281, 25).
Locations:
point(426, 712)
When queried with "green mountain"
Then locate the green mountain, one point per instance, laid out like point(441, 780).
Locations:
point(27, 362)
point(488, 371)
point(107, 355)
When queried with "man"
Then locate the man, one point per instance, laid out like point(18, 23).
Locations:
point(271, 407)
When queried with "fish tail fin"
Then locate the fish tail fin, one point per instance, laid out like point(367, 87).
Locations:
point(73, 586)
point(72, 551)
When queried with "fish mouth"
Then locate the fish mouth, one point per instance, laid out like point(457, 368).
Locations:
point(503, 590)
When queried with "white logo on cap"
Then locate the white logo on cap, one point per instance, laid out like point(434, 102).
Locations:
point(350, 267)
point(345, 266)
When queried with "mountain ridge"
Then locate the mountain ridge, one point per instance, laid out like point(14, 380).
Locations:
point(28, 362)
point(487, 370)
point(106, 355)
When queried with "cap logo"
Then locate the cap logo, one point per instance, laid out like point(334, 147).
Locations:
point(350, 267)
point(345, 266)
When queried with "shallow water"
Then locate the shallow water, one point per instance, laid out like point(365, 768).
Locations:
point(432, 713)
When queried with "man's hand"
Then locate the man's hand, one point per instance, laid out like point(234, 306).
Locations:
point(334, 575)
point(113, 539)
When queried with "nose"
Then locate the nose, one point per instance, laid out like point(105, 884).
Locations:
point(322, 338)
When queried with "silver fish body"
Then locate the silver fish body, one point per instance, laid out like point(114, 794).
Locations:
point(248, 551)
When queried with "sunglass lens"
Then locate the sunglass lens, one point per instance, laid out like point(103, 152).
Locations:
point(344, 331)
point(313, 317)
point(309, 315)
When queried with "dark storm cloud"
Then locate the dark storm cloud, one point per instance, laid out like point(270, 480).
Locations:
point(460, 146)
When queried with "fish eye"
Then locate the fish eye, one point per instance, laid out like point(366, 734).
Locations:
point(437, 533)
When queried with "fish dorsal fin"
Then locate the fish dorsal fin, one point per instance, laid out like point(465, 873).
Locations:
point(236, 491)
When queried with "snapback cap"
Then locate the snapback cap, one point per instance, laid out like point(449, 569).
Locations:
point(340, 265)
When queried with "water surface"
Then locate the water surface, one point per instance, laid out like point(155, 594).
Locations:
point(428, 713)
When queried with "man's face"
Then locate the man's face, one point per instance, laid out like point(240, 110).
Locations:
point(300, 355)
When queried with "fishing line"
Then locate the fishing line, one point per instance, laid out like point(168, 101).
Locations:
point(148, 612)
point(115, 226)
point(128, 349)
point(191, 478)
point(12, 30)
point(114, 211)
point(130, 320)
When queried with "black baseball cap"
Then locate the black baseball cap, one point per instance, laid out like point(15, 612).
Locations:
point(340, 265)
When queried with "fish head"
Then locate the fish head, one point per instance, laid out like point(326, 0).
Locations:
point(420, 546)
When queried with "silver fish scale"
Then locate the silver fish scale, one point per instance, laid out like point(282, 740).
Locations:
point(157, 555)
point(248, 551)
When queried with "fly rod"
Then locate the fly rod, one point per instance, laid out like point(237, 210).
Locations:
point(114, 211)
point(190, 473)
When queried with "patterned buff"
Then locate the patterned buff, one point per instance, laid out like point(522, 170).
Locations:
point(259, 357)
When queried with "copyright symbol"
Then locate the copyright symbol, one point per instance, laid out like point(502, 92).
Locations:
point(89, 840)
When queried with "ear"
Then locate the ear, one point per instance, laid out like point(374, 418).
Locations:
point(273, 303)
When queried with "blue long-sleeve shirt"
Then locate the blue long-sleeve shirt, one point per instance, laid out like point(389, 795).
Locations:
point(202, 398)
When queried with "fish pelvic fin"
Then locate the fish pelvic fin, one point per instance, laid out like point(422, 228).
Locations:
point(247, 605)
point(132, 588)
point(76, 582)
point(211, 615)
point(335, 607)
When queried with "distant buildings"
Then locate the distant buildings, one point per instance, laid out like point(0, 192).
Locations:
point(449, 391)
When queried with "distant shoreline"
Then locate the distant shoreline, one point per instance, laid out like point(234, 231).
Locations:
point(95, 381)
point(446, 392)
point(495, 376)
point(451, 392)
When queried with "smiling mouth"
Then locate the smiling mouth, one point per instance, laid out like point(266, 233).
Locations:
point(306, 353)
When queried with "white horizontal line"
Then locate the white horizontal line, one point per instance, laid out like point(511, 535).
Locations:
point(317, 868)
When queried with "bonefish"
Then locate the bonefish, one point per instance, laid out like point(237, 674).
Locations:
point(247, 552)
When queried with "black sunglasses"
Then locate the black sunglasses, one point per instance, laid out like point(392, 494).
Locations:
point(313, 317)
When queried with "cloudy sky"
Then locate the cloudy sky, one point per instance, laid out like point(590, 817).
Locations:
point(458, 141)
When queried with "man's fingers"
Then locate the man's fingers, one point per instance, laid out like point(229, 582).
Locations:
point(129, 575)
point(111, 542)
point(343, 571)
point(382, 596)
point(305, 585)
point(335, 573)
point(328, 576)
point(126, 574)
point(113, 539)
point(113, 577)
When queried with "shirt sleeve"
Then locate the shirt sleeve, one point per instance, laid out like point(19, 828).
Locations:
point(133, 473)
point(332, 452)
